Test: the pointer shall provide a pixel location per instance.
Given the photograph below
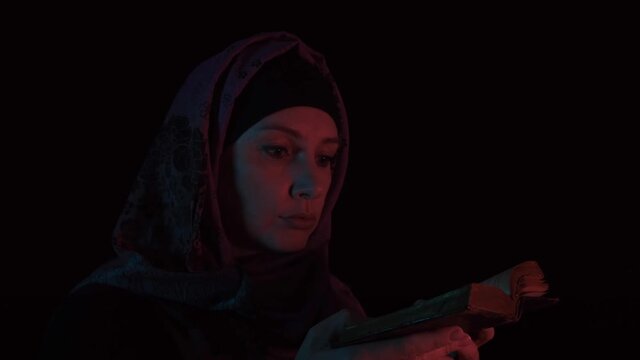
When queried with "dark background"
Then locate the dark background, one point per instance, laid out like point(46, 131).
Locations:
point(474, 146)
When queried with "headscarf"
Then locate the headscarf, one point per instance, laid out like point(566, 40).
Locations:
point(283, 82)
point(169, 238)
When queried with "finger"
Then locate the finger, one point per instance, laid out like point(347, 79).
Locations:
point(484, 336)
point(468, 351)
point(429, 343)
point(320, 335)
point(460, 350)
point(443, 338)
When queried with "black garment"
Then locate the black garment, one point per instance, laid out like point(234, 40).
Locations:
point(184, 291)
point(170, 238)
point(104, 322)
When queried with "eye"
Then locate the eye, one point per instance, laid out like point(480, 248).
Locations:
point(276, 151)
point(327, 161)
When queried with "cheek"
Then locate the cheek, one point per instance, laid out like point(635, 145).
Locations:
point(327, 182)
point(261, 192)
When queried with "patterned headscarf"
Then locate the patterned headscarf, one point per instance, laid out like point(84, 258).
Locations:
point(169, 238)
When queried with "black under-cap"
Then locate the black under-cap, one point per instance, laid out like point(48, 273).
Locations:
point(285, 81)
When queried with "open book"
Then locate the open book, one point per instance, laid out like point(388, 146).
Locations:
point(496, 301)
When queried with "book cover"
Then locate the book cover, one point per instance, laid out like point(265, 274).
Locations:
point(499, 300)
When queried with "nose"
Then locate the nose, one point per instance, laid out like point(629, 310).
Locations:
point(309, 182)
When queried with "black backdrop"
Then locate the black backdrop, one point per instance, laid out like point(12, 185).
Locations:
point(474, 147)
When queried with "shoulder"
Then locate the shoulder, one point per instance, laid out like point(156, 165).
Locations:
point(95, 301)
point(100, 307)
point(100, 322)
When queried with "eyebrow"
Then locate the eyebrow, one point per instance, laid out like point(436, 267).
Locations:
point(296, 134)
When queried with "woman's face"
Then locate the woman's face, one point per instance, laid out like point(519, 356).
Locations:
point(275, 177)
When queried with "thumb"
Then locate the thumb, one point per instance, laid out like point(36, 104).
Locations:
point(320, 335)
point(334, 323)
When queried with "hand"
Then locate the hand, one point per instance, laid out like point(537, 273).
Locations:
point(483, 336)
point(428, 345)
point(479, 338)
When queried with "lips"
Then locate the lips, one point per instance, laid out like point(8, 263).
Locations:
point(300, 221)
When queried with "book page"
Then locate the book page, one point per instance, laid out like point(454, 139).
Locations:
point(502, 281)
point(528, 280)
point(524, 279)
point(494, 302)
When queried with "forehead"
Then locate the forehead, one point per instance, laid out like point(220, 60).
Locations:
point(305, 120)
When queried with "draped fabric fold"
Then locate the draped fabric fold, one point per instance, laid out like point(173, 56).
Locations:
point(169, 238)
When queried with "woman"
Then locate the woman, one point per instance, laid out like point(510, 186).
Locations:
point(223, 243)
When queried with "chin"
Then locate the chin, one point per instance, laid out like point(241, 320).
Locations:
point(289, 244)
